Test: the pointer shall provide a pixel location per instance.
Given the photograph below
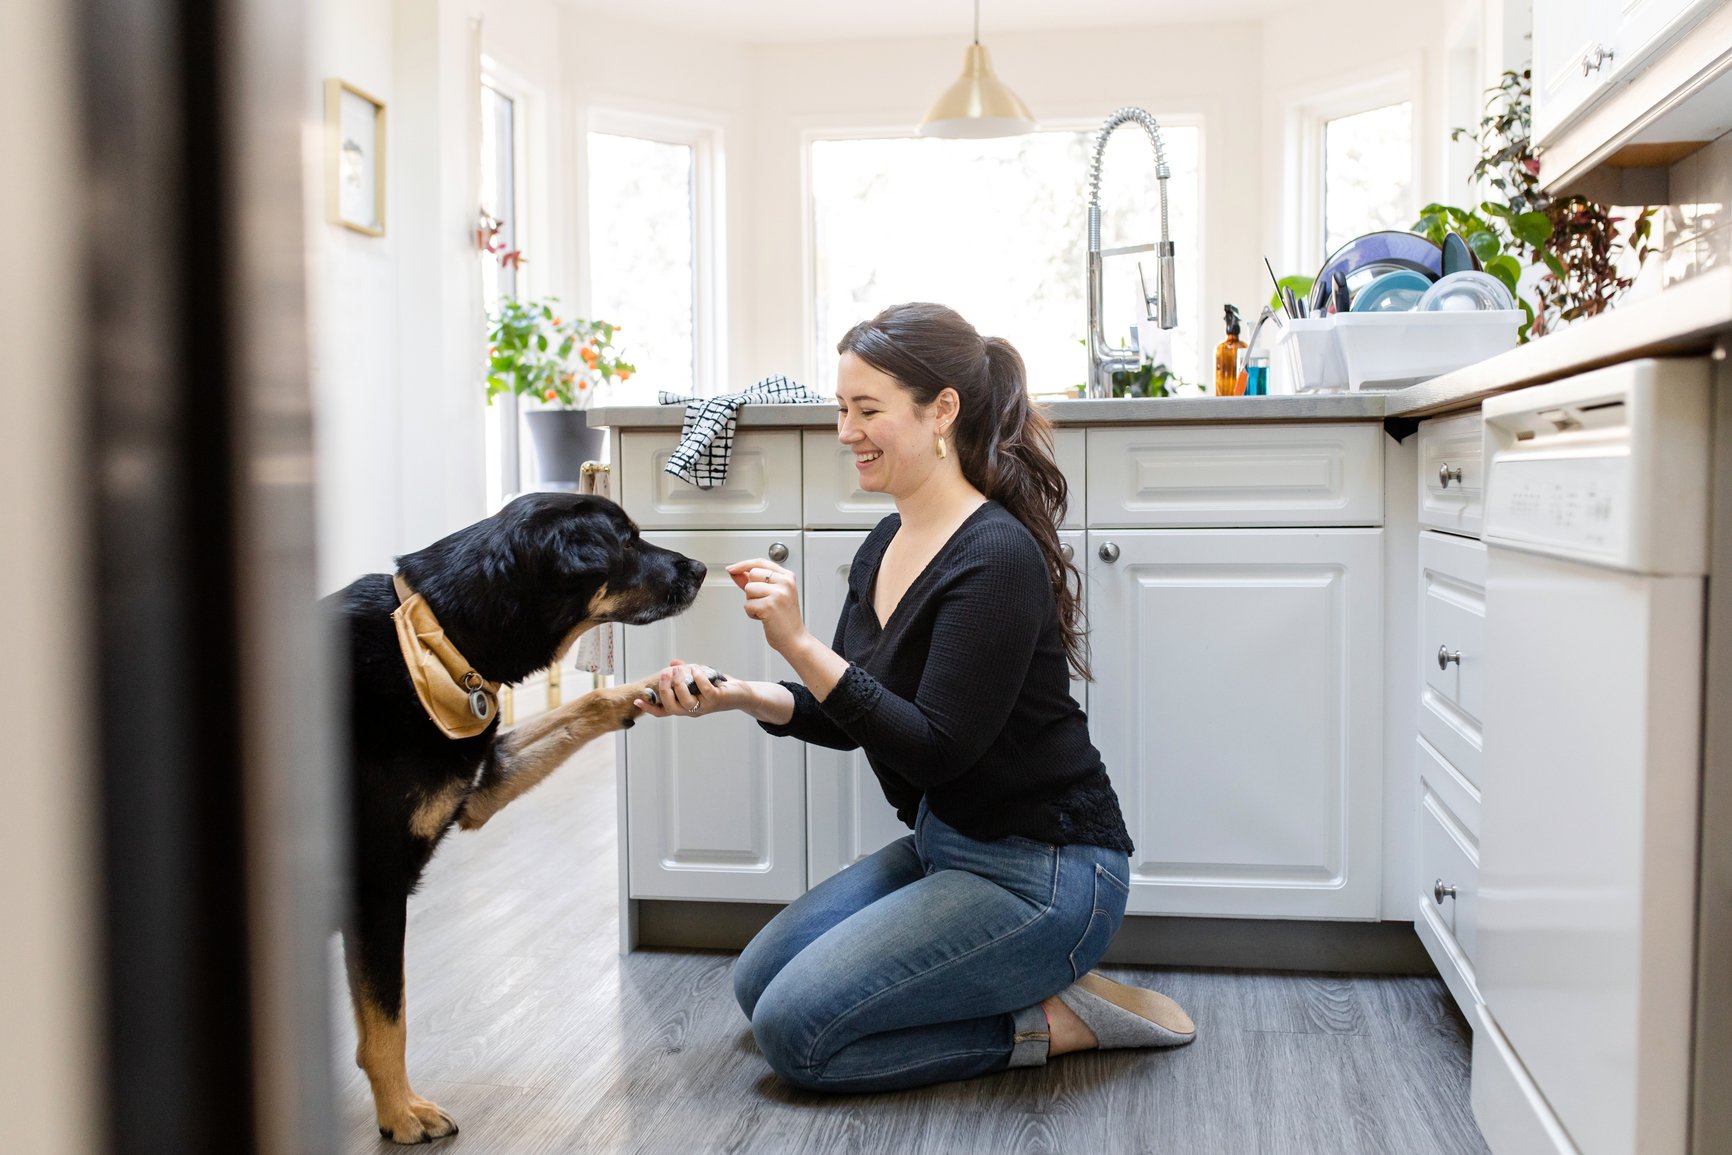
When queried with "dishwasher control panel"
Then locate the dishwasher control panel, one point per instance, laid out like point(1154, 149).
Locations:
point(1598, 468)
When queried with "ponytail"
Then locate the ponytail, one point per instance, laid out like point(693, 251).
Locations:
point(1003, 444)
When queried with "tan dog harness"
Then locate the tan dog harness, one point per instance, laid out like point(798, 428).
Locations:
point(458, 700)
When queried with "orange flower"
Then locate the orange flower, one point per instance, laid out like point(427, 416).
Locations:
point(550, 395)
point(590, 356)
point(583, 384)
point(625, 374)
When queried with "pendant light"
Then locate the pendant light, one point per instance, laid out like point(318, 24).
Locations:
point(978, 105)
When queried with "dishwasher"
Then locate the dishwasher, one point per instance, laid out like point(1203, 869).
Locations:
point(1596, 523)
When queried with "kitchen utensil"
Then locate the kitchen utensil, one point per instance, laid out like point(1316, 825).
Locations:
point(1393, 292)
point(1467, 291)
point(1457, 257)
point(1391, 248)
point(1280, 293)
point(1341, 294)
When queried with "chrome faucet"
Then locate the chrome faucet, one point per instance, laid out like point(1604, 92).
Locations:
point(1104, 360)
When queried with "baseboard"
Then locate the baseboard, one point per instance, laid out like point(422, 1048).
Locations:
point(1146, 940)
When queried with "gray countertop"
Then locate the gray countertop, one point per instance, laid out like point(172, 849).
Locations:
point(1689, 317)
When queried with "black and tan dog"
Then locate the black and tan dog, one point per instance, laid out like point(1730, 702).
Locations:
point(488, 605)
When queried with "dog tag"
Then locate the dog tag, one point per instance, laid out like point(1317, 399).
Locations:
point(480, 704)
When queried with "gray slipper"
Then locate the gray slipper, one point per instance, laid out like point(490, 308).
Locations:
point(1126, 1016)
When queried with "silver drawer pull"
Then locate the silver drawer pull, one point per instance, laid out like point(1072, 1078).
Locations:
point(1441, 892)
point(1445, 656)
point(778, 552)
point(1109, 552)
point(1065, 551)
point(1447, 473)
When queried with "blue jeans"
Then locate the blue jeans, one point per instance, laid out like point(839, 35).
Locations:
point(928, 960)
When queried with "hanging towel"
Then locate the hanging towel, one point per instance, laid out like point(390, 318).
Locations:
point(595, 647)
point(707, 437)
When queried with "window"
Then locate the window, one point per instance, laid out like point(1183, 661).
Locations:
point(499, 128)
point(1367, 173)
point(654, 257)
point(996, 229)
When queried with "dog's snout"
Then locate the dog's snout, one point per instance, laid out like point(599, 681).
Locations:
point(695, 569)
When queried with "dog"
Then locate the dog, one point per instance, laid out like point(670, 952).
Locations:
point(428, 648)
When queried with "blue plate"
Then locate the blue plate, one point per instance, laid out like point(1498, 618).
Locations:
point(1388, 248)
point(1392, 292)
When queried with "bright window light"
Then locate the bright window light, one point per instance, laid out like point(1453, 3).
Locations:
point(996, 229)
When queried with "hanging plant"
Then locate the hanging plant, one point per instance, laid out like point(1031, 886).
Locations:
point(1522, 226)
point(533, 350)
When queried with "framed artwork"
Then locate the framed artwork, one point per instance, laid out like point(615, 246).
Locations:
point(354, 159)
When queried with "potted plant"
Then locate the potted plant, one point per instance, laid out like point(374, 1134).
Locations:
point(533, 351)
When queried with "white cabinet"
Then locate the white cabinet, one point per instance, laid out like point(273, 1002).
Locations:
point(715, 807)
point(1237, 704)
point(1583, 48)
point(847, 817)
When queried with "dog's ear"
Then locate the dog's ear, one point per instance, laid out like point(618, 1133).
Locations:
point(584, 551)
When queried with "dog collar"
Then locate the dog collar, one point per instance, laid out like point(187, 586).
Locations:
point(459, 701)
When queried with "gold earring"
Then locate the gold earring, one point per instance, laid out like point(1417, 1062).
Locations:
point(942, 453)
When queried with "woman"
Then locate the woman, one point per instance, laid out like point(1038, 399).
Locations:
point(965, 947)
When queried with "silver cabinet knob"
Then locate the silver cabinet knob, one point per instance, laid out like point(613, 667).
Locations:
point(1595, 58)
point(1065, 551)
point(1109, 552)
point(778, 552)
point(1445, 656)
point(1441, 892)
point(1447, 473)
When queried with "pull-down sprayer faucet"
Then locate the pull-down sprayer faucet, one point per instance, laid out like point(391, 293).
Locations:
point(1103, 360)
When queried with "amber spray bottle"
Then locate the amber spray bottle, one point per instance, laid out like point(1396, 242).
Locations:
point(1227, 357)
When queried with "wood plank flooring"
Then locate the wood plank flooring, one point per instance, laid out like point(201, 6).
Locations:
point(527, 1026)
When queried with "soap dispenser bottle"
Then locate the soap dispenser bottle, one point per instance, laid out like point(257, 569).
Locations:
point(1227, 357)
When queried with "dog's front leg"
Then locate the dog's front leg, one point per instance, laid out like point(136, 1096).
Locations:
point(521, 759)
point(373, 952)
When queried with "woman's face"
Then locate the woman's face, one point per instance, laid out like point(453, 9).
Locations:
point(895, 442)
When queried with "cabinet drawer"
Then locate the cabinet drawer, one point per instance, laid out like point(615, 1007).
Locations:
point(1452, 648)
point(1446, 501)
point(1448, 923)
point(1235, 476)
point(763, 488)
point(834, 499)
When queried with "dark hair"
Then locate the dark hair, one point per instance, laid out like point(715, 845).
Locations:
point(1002, 442)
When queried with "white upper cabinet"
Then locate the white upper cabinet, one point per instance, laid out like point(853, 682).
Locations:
point(1585, 47)
point(1237, 705)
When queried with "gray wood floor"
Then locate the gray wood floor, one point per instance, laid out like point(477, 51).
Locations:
point(527, 1026)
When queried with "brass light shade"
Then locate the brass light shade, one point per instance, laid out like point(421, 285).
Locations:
point(978, 105)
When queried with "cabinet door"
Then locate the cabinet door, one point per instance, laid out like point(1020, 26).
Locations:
point(1644, 27)
point(1237, 705)
point(716, 808)
point(1567, 32)
point(847, 817)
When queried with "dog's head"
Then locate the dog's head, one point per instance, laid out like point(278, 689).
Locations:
point(513, 591)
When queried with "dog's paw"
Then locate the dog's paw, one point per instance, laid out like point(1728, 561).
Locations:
point(416, 1120)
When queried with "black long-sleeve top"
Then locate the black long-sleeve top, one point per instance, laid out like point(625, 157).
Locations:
point(963, 697)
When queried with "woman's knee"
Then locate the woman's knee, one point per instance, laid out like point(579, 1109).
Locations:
point(786, 1032)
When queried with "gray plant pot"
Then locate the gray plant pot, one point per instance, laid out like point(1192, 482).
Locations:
point(563, 442)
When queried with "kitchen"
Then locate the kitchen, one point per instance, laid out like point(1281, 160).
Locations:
point(1425, 656)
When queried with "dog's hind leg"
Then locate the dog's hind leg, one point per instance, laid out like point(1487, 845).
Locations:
point(521, 759)
point(373, 954)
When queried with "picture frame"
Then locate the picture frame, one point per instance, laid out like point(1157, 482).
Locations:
point(354, 158)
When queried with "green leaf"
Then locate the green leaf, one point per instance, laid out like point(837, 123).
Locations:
point(1534, 228)
point(1506, 269)
point(1485, 245)
point(1301, 286)
point(1495, 209)
point(1554, 264)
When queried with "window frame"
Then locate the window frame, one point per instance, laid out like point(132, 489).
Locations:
point(526, 111)
point(1307, 118)
point(878, 129)
point(706, 137)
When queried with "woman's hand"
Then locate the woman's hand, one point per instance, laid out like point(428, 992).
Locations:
point(705, 696)
point(772, 600)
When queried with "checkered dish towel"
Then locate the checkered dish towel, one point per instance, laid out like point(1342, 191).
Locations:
point(707, 437)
